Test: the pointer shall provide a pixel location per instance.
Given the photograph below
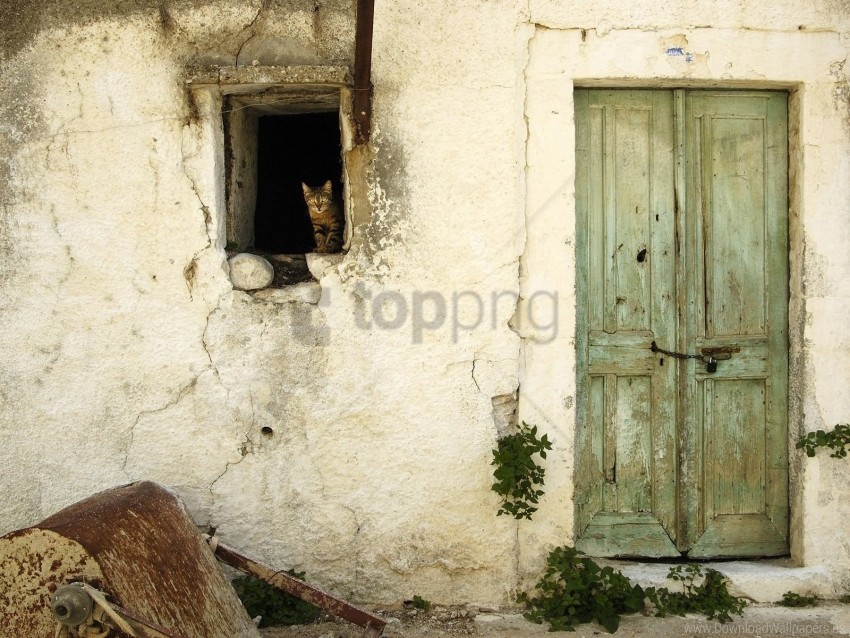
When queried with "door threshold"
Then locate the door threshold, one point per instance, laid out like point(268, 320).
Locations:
point(760, 580)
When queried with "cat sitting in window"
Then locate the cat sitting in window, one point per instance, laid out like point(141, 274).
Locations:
point(327, 218)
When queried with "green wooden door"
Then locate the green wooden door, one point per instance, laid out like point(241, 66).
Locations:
point(682, 228)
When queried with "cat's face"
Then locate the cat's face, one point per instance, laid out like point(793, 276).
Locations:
point(319, 198)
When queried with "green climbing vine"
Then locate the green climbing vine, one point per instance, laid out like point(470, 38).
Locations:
point(836, 440)
point(518, 475)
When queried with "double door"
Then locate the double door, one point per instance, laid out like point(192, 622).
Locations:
point(682, 257)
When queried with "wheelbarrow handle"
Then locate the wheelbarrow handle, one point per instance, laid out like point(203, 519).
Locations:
point(297, 587)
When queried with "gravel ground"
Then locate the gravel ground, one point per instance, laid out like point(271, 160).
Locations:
point(758, 621)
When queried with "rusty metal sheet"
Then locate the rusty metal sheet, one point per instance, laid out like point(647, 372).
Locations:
point(138, 544)
point(33, 564)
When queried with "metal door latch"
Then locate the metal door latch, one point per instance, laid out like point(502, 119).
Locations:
point(709, 356)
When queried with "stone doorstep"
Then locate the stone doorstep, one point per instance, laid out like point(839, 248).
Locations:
point(762, 581)
point(759, 620)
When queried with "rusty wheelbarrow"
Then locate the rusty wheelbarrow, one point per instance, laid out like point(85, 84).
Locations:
point(130, 562)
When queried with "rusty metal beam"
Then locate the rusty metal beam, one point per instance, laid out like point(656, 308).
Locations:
point(362, 99)
point(299, 588)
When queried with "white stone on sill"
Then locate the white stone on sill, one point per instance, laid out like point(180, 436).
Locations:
point(250, 272)
point(320, 263)
point(305, 292)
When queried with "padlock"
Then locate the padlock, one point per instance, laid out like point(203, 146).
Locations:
point(711, 365)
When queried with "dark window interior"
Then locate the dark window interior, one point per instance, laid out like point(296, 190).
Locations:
point(292, 149)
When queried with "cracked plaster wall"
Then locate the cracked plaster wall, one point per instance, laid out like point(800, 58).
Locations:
point(307, 436)
point(306, 432)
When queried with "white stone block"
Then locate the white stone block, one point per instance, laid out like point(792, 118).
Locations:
point(305, 292)
point(250, 272)
point(320, 263)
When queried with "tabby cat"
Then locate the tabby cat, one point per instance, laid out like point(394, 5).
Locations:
point(327, 218)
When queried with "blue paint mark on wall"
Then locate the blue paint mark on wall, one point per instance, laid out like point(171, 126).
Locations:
point(680, 52)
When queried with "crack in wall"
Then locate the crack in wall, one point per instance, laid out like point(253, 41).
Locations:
point(841, 90)
point(245, 448)
point(247, 445)
point(212, 367)
point(169, 404)
point(515, 323)
point(152, 164)
point(603, 28)
point(191, 269)
point(208, 221)
point(263, 7)
point(189, 273)
point(506, 408)
point(54, 223)
point(474, 380)
point(356, 549)
point(495, 270)
point(341, 504)
point(62, 130)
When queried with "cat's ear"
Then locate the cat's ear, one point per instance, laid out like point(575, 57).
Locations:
point(328, 187)
point(306, 188)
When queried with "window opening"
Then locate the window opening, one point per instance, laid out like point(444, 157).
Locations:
point(274, 143)
point(292, 149)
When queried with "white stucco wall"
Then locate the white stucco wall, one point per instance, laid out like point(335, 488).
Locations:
point(809, 64)
point(128, 354)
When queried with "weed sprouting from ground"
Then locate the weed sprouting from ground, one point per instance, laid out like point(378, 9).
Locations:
point(792, 599)
point(272, 605)
point(574, 589)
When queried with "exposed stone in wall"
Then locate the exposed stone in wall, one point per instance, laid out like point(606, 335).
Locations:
point(504, 413)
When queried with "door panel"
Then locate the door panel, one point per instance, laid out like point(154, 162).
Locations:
point(734, 446)
point(736, 224)
point(735, 179)
point(626, 467)
point(682, 213)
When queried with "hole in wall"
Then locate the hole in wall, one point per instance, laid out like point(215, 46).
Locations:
point(267, 432)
